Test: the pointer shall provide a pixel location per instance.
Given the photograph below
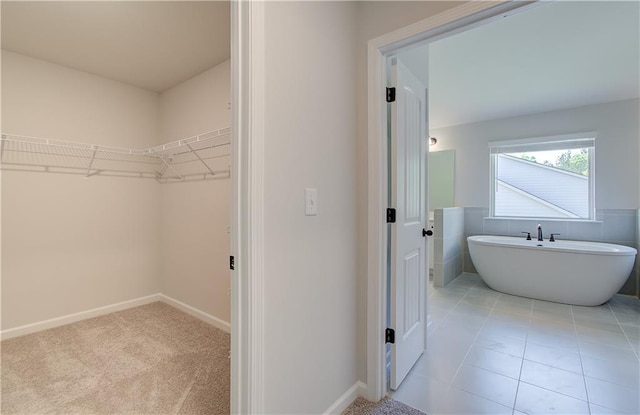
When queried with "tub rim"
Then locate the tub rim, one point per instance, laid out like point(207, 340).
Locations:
point(520, 243)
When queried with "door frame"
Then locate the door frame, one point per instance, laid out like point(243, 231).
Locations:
point(456, 20)
point(247, 206)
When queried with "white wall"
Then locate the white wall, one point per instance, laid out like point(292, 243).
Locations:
point(195, 215)
point(197, 105)
point(315, 270)
point(71, 243)
point(617, 166)
point(310, 263)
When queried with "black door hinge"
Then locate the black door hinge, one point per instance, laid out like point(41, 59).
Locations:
point(232, 262)
point(390, 336)
point(391, 94)
point(391, 215)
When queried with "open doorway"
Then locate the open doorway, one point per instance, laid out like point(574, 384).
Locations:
point(476, 182)
point(116, 184)
point(380, 50)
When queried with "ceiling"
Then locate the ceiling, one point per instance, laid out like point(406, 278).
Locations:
point(555, 56)
point(559, 55)
point(150, 44)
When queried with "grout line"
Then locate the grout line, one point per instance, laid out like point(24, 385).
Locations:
point(584, 378)
point(524, 352)
point(473, 343)
point(451, 309)
point(556, 392)
point(623, 331)
point(477, 334)
point(484, 398)
point(521, 317)
point(488, 370)
point(450, 384)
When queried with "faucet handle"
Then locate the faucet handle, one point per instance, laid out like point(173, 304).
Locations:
point(528, 235)
point(551, 238)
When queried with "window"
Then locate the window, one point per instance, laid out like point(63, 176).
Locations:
point(548, 177)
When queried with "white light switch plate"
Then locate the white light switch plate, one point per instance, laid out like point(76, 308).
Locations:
point(310, 202)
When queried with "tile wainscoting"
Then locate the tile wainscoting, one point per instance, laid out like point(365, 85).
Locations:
point(449, 241)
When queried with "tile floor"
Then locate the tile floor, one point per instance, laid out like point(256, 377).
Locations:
point(493, 353)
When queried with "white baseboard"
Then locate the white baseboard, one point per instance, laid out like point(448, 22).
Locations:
point(207, 318)
point(96, 312)
point(358, 389)
point(72, 318)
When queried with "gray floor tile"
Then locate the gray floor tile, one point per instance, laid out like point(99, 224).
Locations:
point(614, 396)
point(558, 380)
point(535, 400)
point(477, 353)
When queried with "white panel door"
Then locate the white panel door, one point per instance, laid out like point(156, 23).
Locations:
point(408, 245)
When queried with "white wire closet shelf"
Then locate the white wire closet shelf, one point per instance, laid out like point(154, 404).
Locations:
point(200, 157)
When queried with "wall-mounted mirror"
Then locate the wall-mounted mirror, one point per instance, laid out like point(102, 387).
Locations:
point(441, 179)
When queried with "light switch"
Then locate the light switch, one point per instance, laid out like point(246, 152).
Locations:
point(311, 202)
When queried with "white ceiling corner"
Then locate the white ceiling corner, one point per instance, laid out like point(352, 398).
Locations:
point(150, 44)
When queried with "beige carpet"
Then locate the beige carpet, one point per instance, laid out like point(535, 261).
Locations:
point(384, 407)
point(152, 359)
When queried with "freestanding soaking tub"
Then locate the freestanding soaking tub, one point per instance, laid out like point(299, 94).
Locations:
point(570, 272)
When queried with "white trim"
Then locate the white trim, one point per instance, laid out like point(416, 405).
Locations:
point(72, 318)
point(358, 389)
point(592, 182)
point(247, 291)
point(237, 382)
point(124, 305)
point(587, 137)
point(199, 314)
point(458, 19)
